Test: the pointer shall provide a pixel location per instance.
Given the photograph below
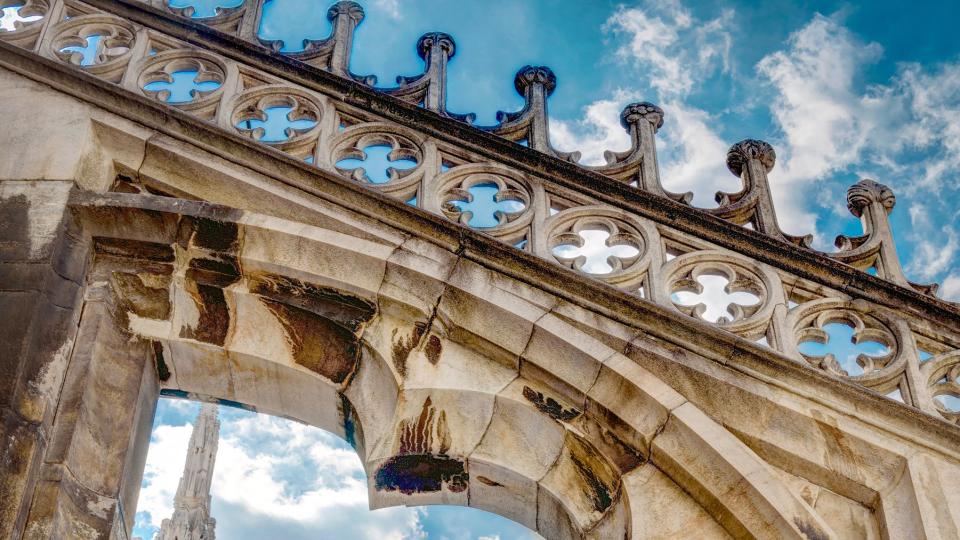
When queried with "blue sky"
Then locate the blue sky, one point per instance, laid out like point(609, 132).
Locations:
point(838, 90)
point(842, 90)
point(275, 478)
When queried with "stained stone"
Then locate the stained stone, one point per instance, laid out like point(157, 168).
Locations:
point(150, 246)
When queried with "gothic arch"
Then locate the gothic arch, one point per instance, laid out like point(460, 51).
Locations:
point(731, 435)
point(388, 342)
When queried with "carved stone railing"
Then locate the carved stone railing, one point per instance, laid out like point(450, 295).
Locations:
point(782, 304)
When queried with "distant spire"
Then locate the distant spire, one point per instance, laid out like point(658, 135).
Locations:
point(191, 507)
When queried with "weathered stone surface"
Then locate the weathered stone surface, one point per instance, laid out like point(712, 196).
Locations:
point(50, 139)
point(462, 369)
point(660, 510)
point(730, 481)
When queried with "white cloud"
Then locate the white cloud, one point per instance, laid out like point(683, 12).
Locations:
point(168, 452)
point(390, 7)
point(906, 132)
point(929, 257)
point(934, 247)
point(298, 479)
point(825, 123)
point(659, 39)
point(950, 289)
point(693, 156)
point(597, 131)
point(673, 50)
point(933, 97)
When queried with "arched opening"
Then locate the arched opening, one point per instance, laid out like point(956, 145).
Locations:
point(453, 384)
point(278, 478)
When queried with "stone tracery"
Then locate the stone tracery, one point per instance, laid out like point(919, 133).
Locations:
point(300, 122)
point(184, 78)
point(795, 301)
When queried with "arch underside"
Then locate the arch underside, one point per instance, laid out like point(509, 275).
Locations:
point(455, 384)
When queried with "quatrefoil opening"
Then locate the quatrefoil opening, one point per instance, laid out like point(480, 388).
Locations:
point(93, 42)
point(599, 246)
point(279, 118)
point(492, 199)
point(732, 292)
point(19, 17)
point(378, 158)
point(718, 294)
point(846, 343)
point(179, 79)
point(484, 202)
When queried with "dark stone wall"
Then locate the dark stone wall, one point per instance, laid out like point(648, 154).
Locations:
point(77, 396)
point(42, 264)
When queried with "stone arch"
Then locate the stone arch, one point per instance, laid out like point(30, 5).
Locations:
point(389, 343)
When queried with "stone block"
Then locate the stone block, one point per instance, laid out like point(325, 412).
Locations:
point(53, 130)
point(31, 218)
point(520, 437)
point(660, 510)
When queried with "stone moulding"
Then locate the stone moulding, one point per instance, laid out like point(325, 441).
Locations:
point(435, 447)
point(564, 188)
point(807, 263)
point(749, 160)
point(213, 256)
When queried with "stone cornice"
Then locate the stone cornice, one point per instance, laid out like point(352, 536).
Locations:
point(711, 342)
point(801, 262)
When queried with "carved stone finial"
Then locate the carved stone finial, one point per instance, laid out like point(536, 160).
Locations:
point(866, 191)
point(351, 9)
point(436, 39)
point(747, 149)
point(529, 75)
point(635, 112)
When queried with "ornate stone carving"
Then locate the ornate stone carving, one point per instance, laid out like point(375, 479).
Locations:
point(605, 245)
point(807, 322)
point(430, 87)
point(403, 145)
point(99, 44)
point(531, 123)
point(221, 13)
point(206, 72)
point(333, 52)
point(684, 278)
point(638, 165)
point(645, 110)
point(872, 202)
point(531, 77)
point(431, 40)
point(745, 150)
point(751, 160)
point(348, 9)
point(279, 116)
point(493, 199)
point(752, 206)
point(26, 18)
point(867, 191)
point(300, 296)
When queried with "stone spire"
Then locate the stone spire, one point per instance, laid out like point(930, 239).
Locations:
point(191, 507)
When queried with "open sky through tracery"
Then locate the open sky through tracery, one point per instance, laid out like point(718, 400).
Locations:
point(842, 91)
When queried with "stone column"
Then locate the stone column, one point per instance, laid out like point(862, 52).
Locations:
point(77, 395)
point(90, 475)
point(41, 270)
